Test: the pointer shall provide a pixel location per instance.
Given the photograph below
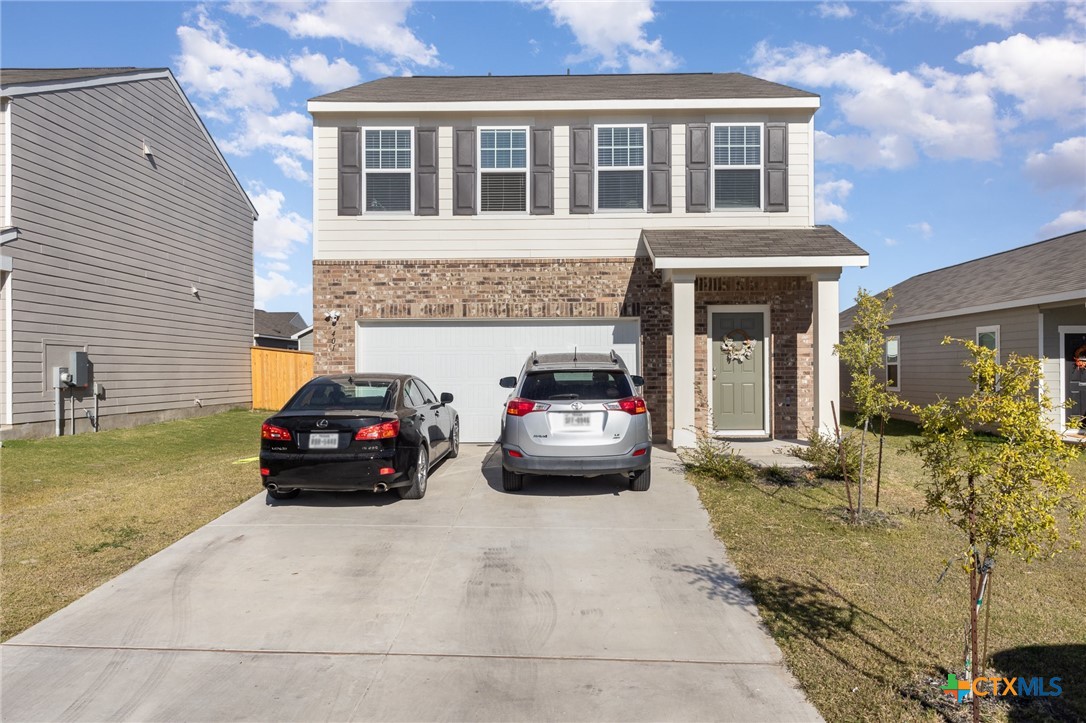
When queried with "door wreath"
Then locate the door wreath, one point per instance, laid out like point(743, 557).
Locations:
point(1079, 357)
point(737, 350)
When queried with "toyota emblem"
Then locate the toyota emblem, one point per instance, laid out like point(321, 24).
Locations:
point(576, 405)
point(322, 423)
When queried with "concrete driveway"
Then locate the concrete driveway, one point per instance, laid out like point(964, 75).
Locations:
point(573, 600)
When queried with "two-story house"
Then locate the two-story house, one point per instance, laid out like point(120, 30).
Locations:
point(462, 222)
point(126, 240)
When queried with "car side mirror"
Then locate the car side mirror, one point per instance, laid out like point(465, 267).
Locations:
point(637, 381)
point(446, 398)
point(508, 382)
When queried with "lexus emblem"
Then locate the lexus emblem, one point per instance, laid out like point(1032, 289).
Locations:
point(322, 423)
point(576, 405)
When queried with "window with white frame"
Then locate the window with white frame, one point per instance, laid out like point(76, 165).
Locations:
point(388, 164)
point(737, 166)
point(893, 363)
point(503, 170)
point(988, 337)
point(620, 167)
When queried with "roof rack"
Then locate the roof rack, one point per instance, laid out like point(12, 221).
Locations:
point(534, 358)
point(614, 356)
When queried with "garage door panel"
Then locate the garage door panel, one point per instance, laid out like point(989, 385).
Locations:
point(468, 358)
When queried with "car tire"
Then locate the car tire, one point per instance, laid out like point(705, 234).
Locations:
point(454, 440)
point(641, 479)
point(284, 494)
point(512, 481)
point(419, 477)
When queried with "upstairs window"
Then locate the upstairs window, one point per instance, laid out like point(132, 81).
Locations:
point(893, 363)
point(503, 170)
point(620, 167)
point(737, 167)
point(388, 161)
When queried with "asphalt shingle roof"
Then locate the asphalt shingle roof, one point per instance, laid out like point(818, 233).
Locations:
point(662, 86)
point(282, 324)
point(740, 243)
point(1047, 267)
point(20, 76)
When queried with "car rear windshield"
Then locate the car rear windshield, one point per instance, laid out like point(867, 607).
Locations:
point(558, 385)
point(329, 394)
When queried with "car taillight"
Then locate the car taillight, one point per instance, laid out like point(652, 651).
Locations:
point(384, 430)
point(519, 407)
point(277, 434)
point(631, 405)
point(640, 452)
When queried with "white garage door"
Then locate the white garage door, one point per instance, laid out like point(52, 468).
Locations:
point(468, 358)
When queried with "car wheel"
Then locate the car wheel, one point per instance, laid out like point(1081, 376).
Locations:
point(284, 494)
point(641, 479)
point(419, 477)
point(512, 481)
point(454, 440)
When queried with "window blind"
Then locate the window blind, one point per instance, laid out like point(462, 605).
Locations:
point(503, 192)
point(388, 191)
point(621, 189)
point(737, 188)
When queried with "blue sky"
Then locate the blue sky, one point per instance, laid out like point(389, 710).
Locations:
point(947, 131)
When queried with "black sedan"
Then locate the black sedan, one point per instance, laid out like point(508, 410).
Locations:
point(358, 432)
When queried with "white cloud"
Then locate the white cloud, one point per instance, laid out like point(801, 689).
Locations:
point(291, 167)
point(1002, 14)
point(276, 266)
point(1066, 222)
point(900, 114)
point(216, 69)
point(1047, 76)
point(323, 75)
point(613, 31)
point(890, 242)
point(276, 233)
point(836, 10)
point(378, 26)
point(828, 199)
point(274, 286)
point(1064, 164)
point(923, 227)
point(283, 132)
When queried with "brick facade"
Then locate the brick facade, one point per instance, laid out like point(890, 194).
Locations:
point(562, 289)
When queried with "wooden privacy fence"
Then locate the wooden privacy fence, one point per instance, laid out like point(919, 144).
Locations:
point(277, 374)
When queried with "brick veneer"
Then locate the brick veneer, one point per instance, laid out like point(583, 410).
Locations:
point(562, 289)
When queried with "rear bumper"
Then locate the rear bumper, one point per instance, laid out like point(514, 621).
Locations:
point(576, 466)
point(341, 473)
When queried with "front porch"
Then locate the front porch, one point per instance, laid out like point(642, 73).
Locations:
point(754, 320)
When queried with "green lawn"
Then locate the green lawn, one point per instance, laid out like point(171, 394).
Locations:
point(863, 620)
point(77, 511)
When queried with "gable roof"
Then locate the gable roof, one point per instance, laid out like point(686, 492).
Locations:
point(655, 86)
point(278, 324)
point(15, 82)
point(1043, 272)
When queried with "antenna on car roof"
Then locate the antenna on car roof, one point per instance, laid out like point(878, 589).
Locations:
point(574, 353)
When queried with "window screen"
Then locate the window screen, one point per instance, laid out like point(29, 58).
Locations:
point(388, 170)
point(737, 164)
point(620, 159)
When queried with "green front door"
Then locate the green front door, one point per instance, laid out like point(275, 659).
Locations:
point(738, 357)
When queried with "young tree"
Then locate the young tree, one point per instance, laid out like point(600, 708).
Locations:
point(862, 350)
point(1005, 493)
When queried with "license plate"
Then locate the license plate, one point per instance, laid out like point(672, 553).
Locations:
point(323, 441)
point(576, 420)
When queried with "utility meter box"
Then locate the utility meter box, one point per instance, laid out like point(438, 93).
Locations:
point(79, 366)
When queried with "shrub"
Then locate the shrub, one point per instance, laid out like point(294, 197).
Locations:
point(716, 459)
point(824, 456)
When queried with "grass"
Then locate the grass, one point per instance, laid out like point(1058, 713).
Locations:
point(860, 613)
point(77, 511)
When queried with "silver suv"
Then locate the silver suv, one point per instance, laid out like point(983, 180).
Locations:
point(575, 415)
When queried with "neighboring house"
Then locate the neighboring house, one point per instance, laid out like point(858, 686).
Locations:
point(281, 330)
point(126, 236)
point(462, 222)
point(1029, 300)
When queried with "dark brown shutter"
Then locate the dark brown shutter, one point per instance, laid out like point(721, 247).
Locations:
point(350, 171)
point(659, 168)
point(776, 167)
point(698, 149)
point(426, 172)
point(464, 201)
point(542, 172)
point(580, 169)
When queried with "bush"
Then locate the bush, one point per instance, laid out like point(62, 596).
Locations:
point(824, 456)
point(714, 458)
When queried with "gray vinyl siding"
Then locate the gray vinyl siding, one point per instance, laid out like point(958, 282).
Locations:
point(111, 246)
point(930, 370)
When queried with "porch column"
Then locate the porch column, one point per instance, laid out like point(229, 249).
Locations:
point(682, 360)
point(827, 371)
